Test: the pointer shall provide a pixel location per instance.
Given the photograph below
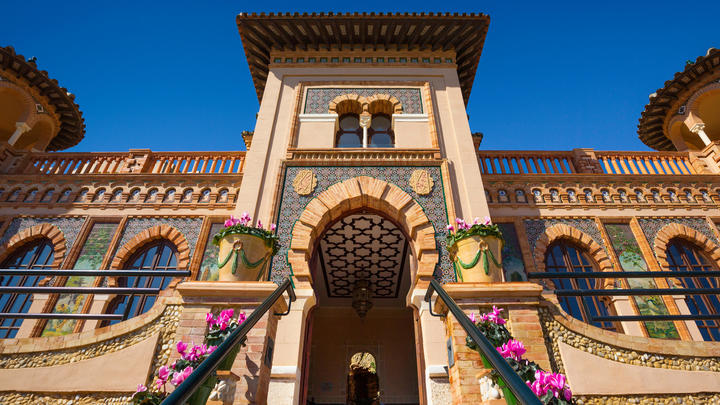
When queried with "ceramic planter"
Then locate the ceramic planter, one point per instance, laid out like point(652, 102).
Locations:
point(243, 257)
point(477, 259)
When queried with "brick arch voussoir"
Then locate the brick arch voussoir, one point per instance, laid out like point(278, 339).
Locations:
point(349, 195)
point(353, 98)
point(49, 231)
point(572, 234)
point(673, 231)
point(157, 232)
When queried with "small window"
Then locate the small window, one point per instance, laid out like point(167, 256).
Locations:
point(134, 195)
point(169, 196)
point(187, 195)
point(99, 195)
point(81, 195)
point(205, 196)
point(223, 196)
point(381, 133)
point(151, 195)
point(350, 134)
point(116, 196)
point(65, 195)
point(48, 196)
point(30, 197)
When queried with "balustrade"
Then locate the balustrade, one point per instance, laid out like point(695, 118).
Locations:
point(123, 163)
point(588, 161)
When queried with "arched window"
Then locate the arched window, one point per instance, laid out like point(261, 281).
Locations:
point(159, 255)
point(684, 256)
point(563, 257)
point(380, 132)
point(349, 134)
point(38, 254)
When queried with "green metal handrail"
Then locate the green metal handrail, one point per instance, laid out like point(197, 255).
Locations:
point(515, 384)
point(207, 367)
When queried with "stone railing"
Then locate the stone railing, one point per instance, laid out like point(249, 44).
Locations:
point(581, 161)
point(134, 161)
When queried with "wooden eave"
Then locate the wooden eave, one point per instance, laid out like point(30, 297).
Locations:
point(667, 100)
point(463, 33)
point(72, 124)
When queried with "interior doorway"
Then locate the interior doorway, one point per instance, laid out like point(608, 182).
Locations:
point(361, 354)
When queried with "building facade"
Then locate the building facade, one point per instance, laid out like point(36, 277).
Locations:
point(362, 154)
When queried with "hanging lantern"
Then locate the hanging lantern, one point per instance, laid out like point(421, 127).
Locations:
point(361, 297)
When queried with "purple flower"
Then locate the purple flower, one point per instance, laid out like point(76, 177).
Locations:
point(450, 228)
point(141, 388)
point(488, 221)
point(567, 394)
point(495, 317)
point(209, 318)
point(164, 373)
point(241, 317)
point(472, 317)
point(273, 227)
point(476, 221)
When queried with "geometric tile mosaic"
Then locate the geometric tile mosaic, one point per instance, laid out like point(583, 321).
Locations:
point(189, 227)
point(292, 205)
point(70, 227)
point(318, 99)
point(535, 228)
point(651, 227)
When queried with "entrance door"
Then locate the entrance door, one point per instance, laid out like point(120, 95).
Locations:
point(363, 387)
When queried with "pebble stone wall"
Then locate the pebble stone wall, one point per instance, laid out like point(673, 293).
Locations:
point(556, 332)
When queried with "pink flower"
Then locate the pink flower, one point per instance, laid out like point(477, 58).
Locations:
point(241, 317)
point(226, 314)
point(513, 349)
point(178, 378)
point(245, 219)
point(209, 318)
point(141, 388)
point(567, 394)
point(495, 317)
point(181, 347)
point(159, 383)
point(211, 349)
point(273, 227)
point(164, 373)
point(259, 224)
point(472, 317)
point(476, 221)
point(488, 221)
point(450, 228)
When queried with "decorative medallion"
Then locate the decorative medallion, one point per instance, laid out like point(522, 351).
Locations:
point(305, 182)
point(421, 182)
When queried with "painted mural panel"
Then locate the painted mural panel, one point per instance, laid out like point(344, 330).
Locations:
point(631, 259)
point(512, 260)
point(209, 266)
point(91, 257)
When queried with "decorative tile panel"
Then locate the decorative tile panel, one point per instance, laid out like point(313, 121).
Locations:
point(631, 259)
point(91, 257)
point(189, 227)
point(318, 100)
point(292, 205)
point(209, 270)
point(70, 227)
point(651, 227)
point(512, 258)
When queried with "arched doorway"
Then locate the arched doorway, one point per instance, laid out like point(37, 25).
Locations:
point(363, 356)
point(363, 387)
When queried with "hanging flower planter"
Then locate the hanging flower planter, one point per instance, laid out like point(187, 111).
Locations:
point(245, 251)
point(476, 251)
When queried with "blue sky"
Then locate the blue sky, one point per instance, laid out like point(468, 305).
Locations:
point(172, 75)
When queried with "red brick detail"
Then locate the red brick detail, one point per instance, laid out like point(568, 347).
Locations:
point(250, 366)
point(33, 233)
point(566, 232)
point(675, 230)
point(157, 232)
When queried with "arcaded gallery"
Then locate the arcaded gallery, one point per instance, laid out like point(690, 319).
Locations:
point(364, 249)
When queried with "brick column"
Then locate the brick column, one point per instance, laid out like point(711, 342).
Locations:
point(254, 361)
point(520, 302)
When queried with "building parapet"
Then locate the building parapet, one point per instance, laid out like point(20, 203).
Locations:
point(112, 163)
point(589, 161)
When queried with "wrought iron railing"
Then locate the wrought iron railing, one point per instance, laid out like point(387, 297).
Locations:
point(19, 289)
point(634, 292)
point(210, 364)
point(515, 384)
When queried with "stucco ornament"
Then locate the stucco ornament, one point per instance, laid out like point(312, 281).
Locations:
point(305, 182)
point(421, 182)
